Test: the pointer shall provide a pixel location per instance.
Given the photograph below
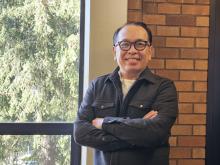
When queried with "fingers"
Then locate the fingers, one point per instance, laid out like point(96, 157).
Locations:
point(153, 116)
point(97, 122)
point(150, 115)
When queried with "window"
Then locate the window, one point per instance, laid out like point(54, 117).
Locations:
point(39, 80)
point(35, 149)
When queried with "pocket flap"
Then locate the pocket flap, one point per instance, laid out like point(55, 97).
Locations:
point(140, 104)
point(103, 105)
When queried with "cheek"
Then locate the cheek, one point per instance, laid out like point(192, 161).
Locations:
point(146, 59)
point(148, 55)
point(120, 55)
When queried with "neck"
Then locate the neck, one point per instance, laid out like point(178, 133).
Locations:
point(130, 76)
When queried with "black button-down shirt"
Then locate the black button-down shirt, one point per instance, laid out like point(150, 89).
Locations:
point(126, 138)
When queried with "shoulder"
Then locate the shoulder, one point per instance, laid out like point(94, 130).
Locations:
point(161, 79)
point(100, 80)
point(164, 82)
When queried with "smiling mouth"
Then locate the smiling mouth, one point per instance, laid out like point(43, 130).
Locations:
point(138, 59)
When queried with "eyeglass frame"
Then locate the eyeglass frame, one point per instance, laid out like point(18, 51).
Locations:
point(147, 43)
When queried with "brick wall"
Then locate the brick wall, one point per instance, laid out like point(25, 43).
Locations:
point(180, 29)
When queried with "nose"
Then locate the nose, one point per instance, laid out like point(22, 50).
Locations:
point(132, 50)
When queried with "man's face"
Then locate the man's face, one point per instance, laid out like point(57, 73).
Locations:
point(132, 61)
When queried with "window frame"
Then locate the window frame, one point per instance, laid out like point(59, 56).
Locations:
point(213, 105)
point(54, 128)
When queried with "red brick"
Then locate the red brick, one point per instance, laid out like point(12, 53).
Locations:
point(168, 8)
point(201, 64)
point(180, 152)
point(191, 162)
point(188, 1)
point(179, 42)
point(134, 4)
point(167, 31)
point(200, 108)
point(156, 64)
point(181, 130)
point(194, 53)
point(159, 42)
point(173, 141)
point(185, 108)
point(134, 16)
point(184, 20)
point(153, 30)
point(154, 19)
point(200, 86)
point(172, 58)
point(167, 52)
point(195, 9)
point(194, 31)
point(182, 1)
point(179, 64)
point(198, 153)
point(172, 162)
point(191, 141)
point(192, 119)
point(193, 75)
point(202, 42)
point(155, 1)
point(199, 130)
point(184, 85)
point(149, 8)
point(171, 74)
point(203, 1)
point(191, 97)
point(202, 21)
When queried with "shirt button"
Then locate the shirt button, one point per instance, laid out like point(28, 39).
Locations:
point(141, 106)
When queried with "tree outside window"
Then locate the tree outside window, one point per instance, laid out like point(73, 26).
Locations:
point(39, 75)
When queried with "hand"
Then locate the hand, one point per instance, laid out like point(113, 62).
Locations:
point(150, 115)
point(97, 122)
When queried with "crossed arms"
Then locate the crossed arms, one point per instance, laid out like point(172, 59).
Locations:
point(116, 133)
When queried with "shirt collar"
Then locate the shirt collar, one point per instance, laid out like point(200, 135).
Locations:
point(145, 75)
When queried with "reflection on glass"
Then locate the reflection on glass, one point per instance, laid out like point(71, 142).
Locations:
point(39, 59)
point(35, 150)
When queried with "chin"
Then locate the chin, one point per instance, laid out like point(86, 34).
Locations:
point(133, 70)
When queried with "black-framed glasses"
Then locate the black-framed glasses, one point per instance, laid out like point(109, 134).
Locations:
point(138, 45)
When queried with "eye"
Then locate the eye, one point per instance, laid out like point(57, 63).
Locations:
point(140, 44)
point(124, 44)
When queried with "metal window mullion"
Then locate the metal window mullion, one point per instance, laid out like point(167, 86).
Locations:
point(36, 128)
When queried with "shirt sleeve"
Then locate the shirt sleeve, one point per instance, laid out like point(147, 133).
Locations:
point(88, 135)
point(152, 132)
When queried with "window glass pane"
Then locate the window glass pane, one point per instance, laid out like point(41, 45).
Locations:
point(35, 150)
point(39, 60)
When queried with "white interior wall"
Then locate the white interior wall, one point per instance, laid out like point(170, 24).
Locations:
point(103, 17)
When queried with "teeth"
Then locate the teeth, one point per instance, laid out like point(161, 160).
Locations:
point(133, 59)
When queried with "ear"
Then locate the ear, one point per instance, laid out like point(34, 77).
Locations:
point(150, 52)
point(114, 52)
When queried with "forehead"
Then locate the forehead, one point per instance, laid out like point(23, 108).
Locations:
point(132, 32)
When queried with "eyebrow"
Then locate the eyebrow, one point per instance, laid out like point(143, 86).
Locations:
point(134, 40)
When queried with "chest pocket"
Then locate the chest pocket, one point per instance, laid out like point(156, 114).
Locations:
point(104, 108)
point(137, 109)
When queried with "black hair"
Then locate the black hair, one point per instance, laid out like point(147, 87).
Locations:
point(141, 24)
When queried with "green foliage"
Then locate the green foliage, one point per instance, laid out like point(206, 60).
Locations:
point(39, 63)
point(39, 56)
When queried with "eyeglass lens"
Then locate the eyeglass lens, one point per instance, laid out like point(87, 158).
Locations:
point(138, 45)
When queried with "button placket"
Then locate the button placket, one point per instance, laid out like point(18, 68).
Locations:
point(141, 105)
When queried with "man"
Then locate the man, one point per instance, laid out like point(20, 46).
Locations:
point(127, 115)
